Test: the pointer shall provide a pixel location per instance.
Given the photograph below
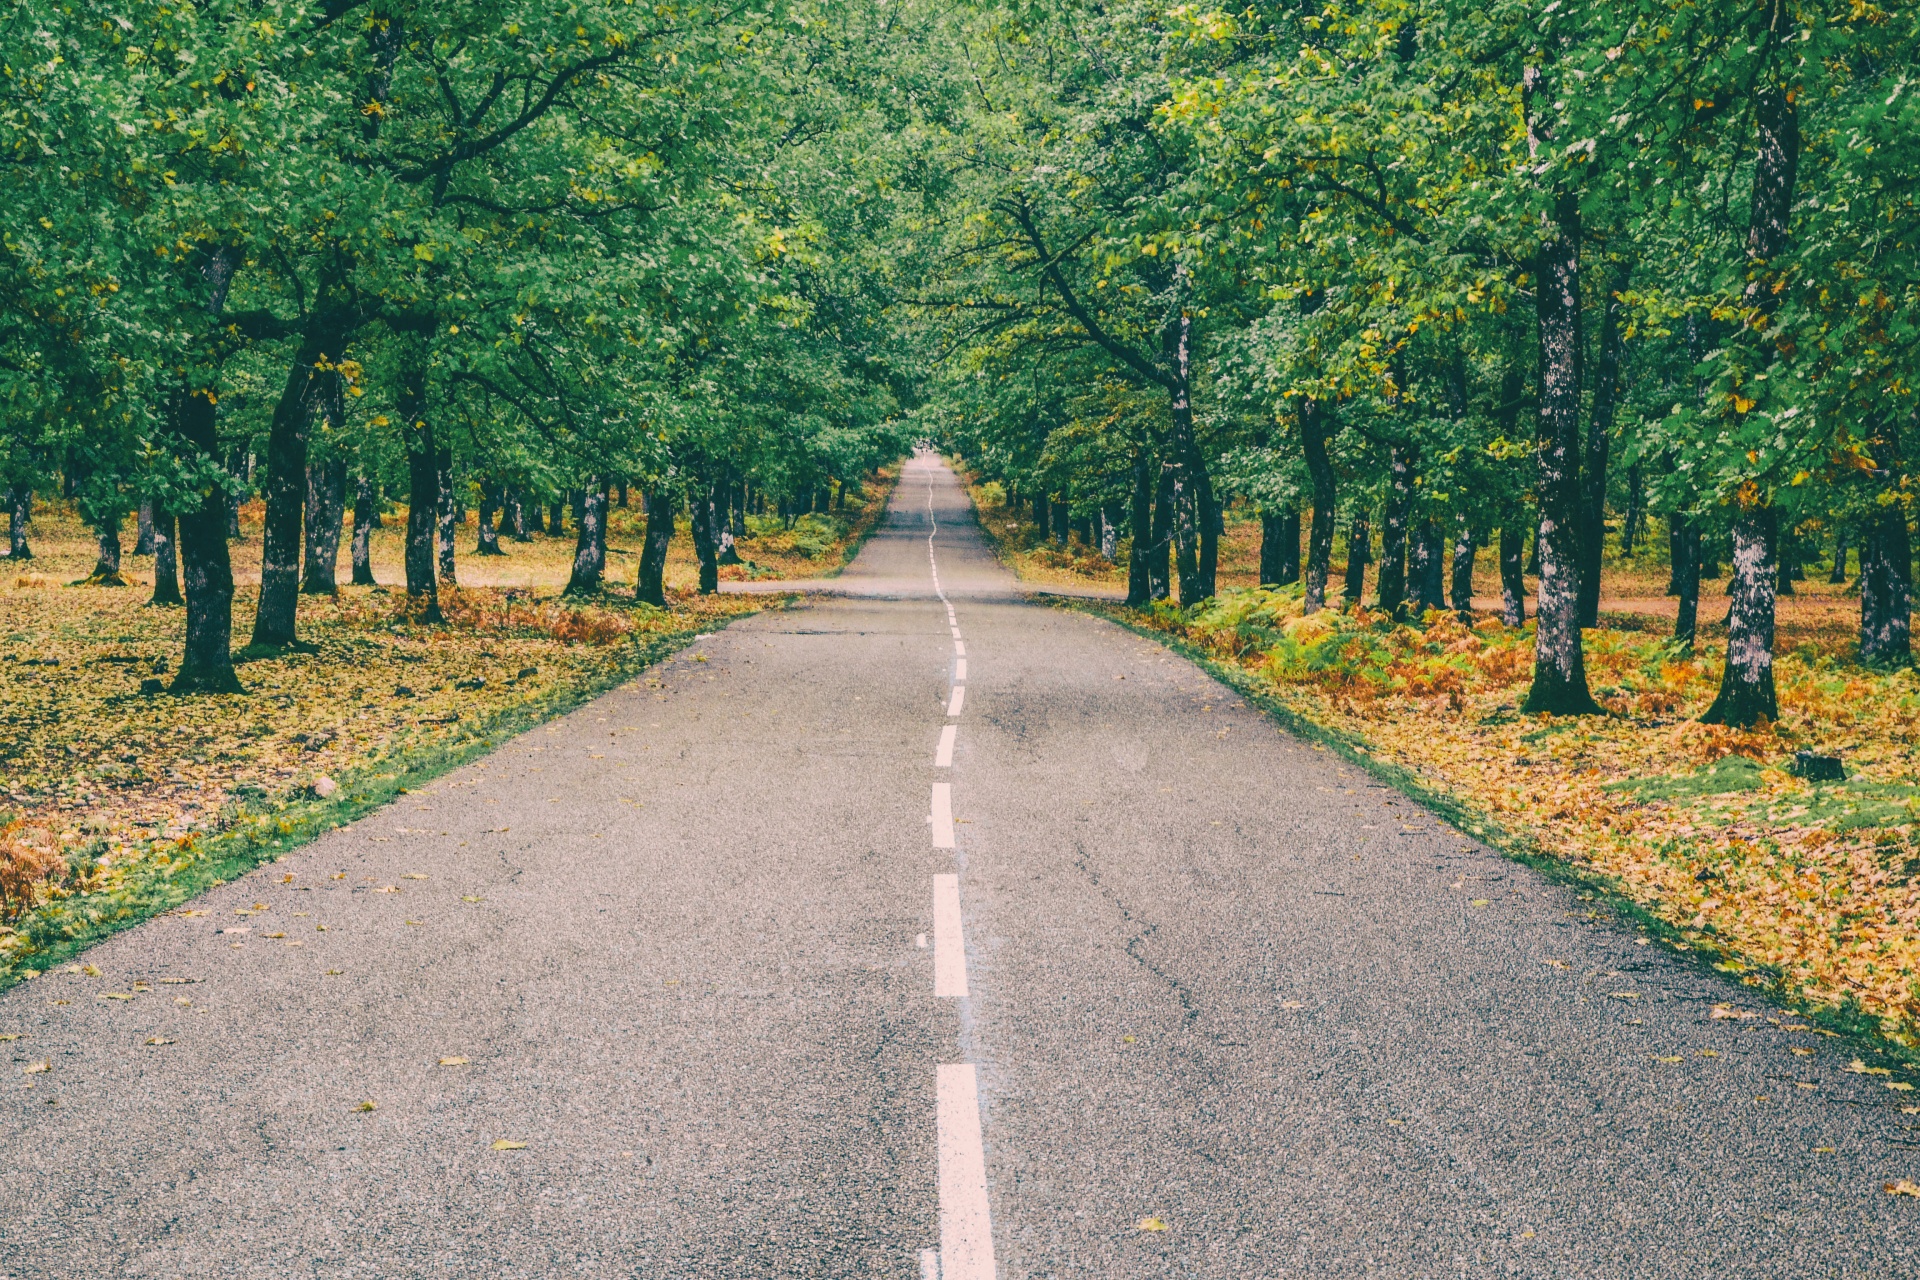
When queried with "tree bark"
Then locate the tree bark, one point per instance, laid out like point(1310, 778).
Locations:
point(1393, 532)
point(1062, 522)
point(1636, 511)
point(1194, 480)
point(240, 467)
point(723, 535)
point(1746, 681)
point(143, 529)
point(1559, 663)
point(166, 564)
point(1160, 544)
point(1140, 517)
point(1685, 538)
point(1513, 578)
point(326, 508)
point(1359, 553)
point(651, 585)
point(1430, 554)
point(555, 525)
point(516, 514)
point(286, 487)
point(706, 546)
point(1313, 442)
point(207, 666)
point(1839, 574)
point(1109, 531)
point(365, 512)
point(106, 567)
point(492, 500)
point(19, 514)
point(1464, 547)
point(590, 547)
point(1273, 545)
point(1886, 588)
point(423, 486)
point(446, 511)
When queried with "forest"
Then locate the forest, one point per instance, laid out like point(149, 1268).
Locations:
point(1384, 294)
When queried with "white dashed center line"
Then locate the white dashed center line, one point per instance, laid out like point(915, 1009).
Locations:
point(960, 647)
point(959, 670)
point(966, 1232)
point(949, 947)
point(959, 697)
point(943, 754)
point(942, 815)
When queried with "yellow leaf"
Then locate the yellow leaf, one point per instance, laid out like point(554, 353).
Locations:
point(1800, 1052)
point(1860, 1068)
point(1675, 1058)
point(368, 1105)
point(1901, 1085)
point(1741, 404)
point(158, 1040)
point(1150, 1224)
point(35, 1068)
point(90, 970)
point(453, 1062)
point(504, 1145)
point(1903, 1187)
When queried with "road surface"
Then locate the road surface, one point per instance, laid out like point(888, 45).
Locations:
point(792, 959)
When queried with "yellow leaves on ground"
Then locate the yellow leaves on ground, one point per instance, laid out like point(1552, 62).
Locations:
point(453, 1062)
point(507, 1144)
point(368, 1105)
point(1150, 1224)
point(1902, 1187)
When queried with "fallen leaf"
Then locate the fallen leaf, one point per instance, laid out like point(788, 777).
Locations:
point(416, 922)
point(1901, 1085)
point(1150, 1224)
point(1860, 1068)
point(1801, 1051)
point(472, 899)
point(414, 875)
point(90, 970)
point(115, 995)
point(1823, 1151)
point(368, 1105)
point(1625, 995)
point(1292, 1004)
point(1675, 1058)
point(505, 1145)
point(453, 1062)
point(1903, 1187)
point(332, 973)
point(158, 1040)
point(35, 1068)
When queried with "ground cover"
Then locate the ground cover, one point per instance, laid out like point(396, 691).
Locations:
point(116, 802)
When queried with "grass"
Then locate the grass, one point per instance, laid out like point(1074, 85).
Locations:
point(136, 801)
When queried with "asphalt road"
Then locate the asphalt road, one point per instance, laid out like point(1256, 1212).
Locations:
point(1230, 1010)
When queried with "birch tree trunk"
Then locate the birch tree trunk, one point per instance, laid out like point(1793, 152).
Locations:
point(1746, 685)
point(1559, 662)
point(590, 547)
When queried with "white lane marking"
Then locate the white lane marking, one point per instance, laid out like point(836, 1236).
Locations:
point(966, 1231)
point(929, 1264)
point(920, 941)
point(959, 669)
point(943, 754)
point(960, 647)
point(949, 948)
point(942, 815)
point(959, 696)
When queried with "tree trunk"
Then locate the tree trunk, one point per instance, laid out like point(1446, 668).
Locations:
point(1685, 539)
point(1746, 682)
point(207, 666)
point(1313, 440)
point(737, 515)
point(166, 564)
point(19, 514)
point(555, 525)
point(1431, 549)
point(651, 585)
point(1636, 511)
point(1062, 523)
point(446, 512)
point(1140, 518)
point(143, 529)
point(1359, 553)
point(706, 545)
point(326, 508)
point(1839, 574)
point(106, 567)
point(1273, 535)
point(286, 487)
point(1393, 535)
point(590, 547)
point(1201, 506)
point(1786, 562)
point(1886, 588)
point(1109, 532)
point(516, 514)
point(1559, 662)
point(240, 467)
point(1160, 543)
point(423, 486)
point(492, 499)
point(1513, 578)
point(1464, 547)
point(724, 550)
point(1593, 476)
point(365, 511)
